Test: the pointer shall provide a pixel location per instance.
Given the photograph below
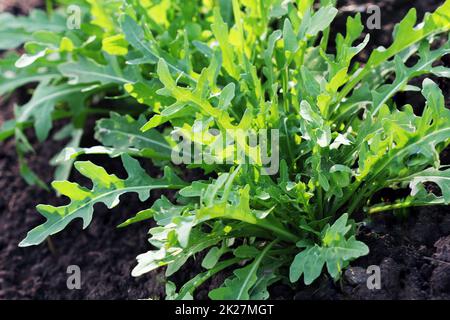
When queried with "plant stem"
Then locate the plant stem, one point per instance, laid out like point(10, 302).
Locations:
point(288, 141)
point(49, 7)
point(282, 233)
point(344, 200)
point(354, 205)
point(388, 207)
point(400, 205)
point(51, 246)
point(194, 283)
point(320, 201)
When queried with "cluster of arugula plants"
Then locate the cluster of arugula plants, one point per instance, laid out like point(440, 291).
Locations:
point(232, 64)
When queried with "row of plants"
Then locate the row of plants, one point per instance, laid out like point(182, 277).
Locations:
point(156, 72)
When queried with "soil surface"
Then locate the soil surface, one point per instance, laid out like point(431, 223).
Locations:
point(19, 6)
point(413, 253)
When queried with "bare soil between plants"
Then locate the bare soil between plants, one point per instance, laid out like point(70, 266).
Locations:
point(413, 252)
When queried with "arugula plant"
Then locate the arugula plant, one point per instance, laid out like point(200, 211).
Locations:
point(170, 66)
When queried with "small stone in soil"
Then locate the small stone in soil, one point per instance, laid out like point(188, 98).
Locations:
point(355, 275)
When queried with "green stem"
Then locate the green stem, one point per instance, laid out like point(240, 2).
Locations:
point(356, 203)
point(194, 283)
point(285, 84)
point(301, 54)
point(350, 85)
point(350, 193)
point(282, 233)
point(324, 40)
point(254, 268)
point(402, 205)
point(320, 201)
point(288, 141)
point(49, 7)
point(389, 207)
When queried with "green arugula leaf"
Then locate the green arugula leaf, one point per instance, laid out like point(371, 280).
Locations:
point(404, 74)
point(107, 189)
point(406, 35)
point(336, 252)
point(16, 30)
point(88, 71)
point(123, 133)
point(12, 78)
point(238, 287)
point(39, 109)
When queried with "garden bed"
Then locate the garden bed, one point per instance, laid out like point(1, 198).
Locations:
point(413, 252)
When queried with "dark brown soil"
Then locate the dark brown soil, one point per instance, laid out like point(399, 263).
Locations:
point(19, 6)
point(105, 254)
point(413, 253)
